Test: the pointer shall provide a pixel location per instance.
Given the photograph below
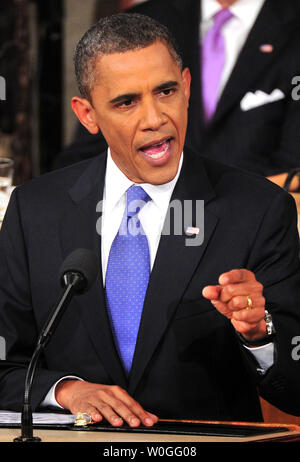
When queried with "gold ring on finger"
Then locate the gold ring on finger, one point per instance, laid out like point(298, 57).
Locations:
point(82, 419)
point(250, 303)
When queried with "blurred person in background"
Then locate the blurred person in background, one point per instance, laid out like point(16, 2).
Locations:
point(243, 55)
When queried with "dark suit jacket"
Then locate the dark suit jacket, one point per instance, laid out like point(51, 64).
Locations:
point(188, 360)
point(263, 140)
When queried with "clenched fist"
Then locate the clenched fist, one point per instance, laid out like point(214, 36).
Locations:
point(230, 298)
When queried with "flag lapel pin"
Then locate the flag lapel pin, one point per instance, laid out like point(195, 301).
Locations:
point(266, 48)
point(191, 230)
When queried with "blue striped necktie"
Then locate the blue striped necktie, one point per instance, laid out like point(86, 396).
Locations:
point(127, 276)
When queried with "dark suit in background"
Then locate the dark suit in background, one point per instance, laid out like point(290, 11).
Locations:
point(264, 140)
point(189, 362)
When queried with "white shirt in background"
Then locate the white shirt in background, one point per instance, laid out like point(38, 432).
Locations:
point(235, 31)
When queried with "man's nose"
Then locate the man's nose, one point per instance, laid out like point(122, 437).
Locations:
point(152, 117)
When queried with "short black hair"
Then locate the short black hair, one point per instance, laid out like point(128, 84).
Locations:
point(117, 33)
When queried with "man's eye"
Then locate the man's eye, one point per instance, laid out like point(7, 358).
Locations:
point(126, 103)
point(168, 91)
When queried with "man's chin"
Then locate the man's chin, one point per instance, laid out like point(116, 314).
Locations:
point(161, 175)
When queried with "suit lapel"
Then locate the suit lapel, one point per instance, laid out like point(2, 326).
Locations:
point(174, 265)
point(78, 230)
point(252, 62)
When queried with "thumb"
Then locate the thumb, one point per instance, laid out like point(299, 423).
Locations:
point(211, 292)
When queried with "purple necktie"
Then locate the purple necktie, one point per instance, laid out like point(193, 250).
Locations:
point(127, 276)
point(213, 60)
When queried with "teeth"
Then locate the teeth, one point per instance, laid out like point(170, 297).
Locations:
point(159, 154)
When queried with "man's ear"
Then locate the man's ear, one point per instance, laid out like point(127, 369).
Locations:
point(85, 113)
point(186, 78)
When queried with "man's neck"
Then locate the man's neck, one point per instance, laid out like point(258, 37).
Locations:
point(226, 3)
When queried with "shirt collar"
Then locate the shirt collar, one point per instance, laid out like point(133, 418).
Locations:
point(116, 184)
point(245, 10)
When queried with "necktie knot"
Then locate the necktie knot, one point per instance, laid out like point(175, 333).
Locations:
point(221, 18)
point(136, 198)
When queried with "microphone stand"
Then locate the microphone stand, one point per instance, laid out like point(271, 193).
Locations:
point(73, 281)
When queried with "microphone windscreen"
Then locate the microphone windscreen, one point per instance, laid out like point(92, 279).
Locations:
point(84, 262)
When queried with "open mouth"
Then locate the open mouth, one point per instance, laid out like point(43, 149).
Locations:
point(157, 150)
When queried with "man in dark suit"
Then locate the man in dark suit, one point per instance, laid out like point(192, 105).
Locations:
point(203, 313)
point(260, 135)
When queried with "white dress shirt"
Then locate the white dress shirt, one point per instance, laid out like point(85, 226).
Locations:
point(152, 217)
point(235, 31)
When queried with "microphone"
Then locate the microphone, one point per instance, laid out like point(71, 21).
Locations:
point(77, 274)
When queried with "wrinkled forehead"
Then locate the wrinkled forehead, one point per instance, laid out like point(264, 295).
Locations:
point(135, 69)
point(156, 56)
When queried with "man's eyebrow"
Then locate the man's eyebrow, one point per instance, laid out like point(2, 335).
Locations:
point(166, 85)
point(124, 97)
point(128, 96)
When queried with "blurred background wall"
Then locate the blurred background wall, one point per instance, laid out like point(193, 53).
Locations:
point(37, 40)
